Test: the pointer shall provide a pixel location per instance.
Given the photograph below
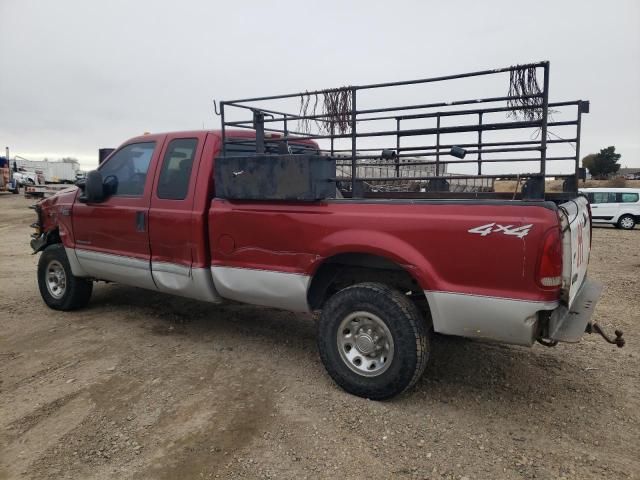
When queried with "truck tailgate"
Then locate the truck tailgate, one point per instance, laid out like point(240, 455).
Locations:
point(575, 222)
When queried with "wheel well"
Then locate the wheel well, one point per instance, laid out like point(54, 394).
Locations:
point(635, 217)
point(345, 269)
point(51, 237)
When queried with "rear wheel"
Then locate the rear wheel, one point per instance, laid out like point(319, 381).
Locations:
point(627, 222)
point(58, 287)
point(373, 340)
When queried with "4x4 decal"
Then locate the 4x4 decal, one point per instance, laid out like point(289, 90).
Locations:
point(484, 230)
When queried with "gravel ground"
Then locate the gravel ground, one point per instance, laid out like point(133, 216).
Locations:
point(141, 385)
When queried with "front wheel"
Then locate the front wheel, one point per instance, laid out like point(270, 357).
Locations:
point(373, 340)
point(627, 222)
point(59, 289)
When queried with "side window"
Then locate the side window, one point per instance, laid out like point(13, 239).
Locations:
point(176, 169)
point(604, 197)
point(629, 197)
point(129, 165)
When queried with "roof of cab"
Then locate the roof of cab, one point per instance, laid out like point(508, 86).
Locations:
point(230, 133)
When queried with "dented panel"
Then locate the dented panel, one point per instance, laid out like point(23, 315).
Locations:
point(499, 319)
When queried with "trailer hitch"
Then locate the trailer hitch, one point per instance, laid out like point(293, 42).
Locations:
point(595, 328)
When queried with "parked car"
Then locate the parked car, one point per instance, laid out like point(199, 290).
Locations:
point(616, 206)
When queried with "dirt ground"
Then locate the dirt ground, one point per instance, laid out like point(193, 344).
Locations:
point(142, 385)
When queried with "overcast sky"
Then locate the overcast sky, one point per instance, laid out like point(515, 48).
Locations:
point(77, 75)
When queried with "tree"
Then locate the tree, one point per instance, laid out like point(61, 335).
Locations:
point(73, 161)
point(587, 162)
point(70, 160)
point(602, 164)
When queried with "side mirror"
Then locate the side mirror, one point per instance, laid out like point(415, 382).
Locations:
point(93, 188)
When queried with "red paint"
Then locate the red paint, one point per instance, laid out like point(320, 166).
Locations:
point(429, 239)
point(110, 226)
point(172, 223)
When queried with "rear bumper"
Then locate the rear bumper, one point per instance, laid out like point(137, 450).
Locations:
point(496, 319)
point(569, 324)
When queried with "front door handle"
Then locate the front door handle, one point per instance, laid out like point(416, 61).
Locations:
point(141, 222)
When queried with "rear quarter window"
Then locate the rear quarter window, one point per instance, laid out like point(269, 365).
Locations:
point(629, 197)
point(176, 169)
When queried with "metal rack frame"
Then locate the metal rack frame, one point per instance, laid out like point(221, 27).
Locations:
point(276, 126)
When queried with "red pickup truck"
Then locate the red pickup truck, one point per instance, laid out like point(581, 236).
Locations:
point(385, 274)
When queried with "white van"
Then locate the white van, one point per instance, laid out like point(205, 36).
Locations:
point(618, 206)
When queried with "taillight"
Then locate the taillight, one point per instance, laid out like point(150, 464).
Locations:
point(549, 274)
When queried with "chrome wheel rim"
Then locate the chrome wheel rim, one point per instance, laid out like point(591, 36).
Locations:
point(365, 344)
point(56, 279)
point(627, 222)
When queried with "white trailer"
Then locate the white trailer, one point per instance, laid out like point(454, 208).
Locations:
point(54, 172)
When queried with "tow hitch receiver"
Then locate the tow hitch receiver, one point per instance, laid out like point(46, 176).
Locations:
point(595, 328)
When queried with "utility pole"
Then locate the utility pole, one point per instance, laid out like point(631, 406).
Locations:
point(6, 151)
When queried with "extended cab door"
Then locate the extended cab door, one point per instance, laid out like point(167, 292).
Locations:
point(176, 227)
point(112, 237)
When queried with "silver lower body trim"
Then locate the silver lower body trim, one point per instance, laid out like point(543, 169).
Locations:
point(262, 287)
point(76, 268)
point(492, 318)
point(115, 268)
point(187, 282)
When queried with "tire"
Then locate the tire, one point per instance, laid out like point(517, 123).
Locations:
point(627, 222)
point(365, 305)
point(59, 289)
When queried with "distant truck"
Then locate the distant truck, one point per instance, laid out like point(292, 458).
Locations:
point(24, 177)
point(53, 172)
point(7, 183)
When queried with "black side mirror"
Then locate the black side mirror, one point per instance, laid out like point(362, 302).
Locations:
point(93, 191)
